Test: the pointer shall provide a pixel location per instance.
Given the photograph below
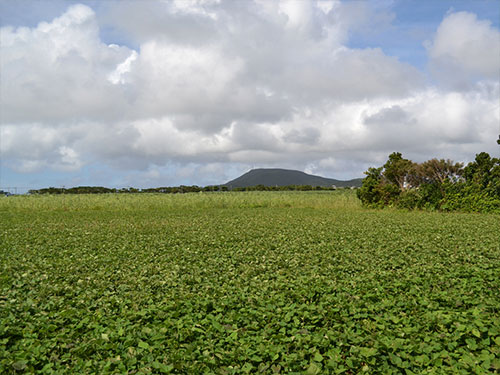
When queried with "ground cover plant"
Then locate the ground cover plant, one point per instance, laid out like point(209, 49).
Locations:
point(250, 282)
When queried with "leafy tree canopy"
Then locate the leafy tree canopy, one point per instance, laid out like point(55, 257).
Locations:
point(434, 184)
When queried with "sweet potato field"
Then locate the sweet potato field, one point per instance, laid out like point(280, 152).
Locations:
point(236, 283)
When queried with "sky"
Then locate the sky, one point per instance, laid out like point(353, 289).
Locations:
point(197, 92)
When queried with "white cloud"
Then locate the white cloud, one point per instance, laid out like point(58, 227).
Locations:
point(298, 13)
point(57, 71)
point(197, 7)
point(31, 147)
point(69, 159)
point(119, 75)
point(327, 5)
point(465, 49)
point(223, 86)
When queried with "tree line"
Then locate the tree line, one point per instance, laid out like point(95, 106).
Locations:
point(173, 189)
point(434, 184)
point(129, 190)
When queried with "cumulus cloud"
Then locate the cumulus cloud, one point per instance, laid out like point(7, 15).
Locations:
point(216, 87)
point(57, 71)
point(33, 147)
point(465, 49)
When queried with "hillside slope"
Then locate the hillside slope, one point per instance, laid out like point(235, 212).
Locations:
point(285, 177)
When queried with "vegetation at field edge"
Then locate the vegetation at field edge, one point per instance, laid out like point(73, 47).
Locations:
point(435, 184)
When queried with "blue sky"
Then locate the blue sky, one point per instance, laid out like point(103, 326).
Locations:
point(156, 93)
point(415, 22)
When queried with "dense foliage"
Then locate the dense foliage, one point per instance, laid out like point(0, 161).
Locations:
point(235, 283)
point(434, 184)
point(173, 189)
point(105, 190)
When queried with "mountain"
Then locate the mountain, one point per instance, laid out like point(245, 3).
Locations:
point(285, 177)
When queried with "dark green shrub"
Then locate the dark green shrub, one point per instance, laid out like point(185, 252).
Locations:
point(434, 184)
point(409, 199)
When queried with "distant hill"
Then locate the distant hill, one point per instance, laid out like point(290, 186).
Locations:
point(286, 177)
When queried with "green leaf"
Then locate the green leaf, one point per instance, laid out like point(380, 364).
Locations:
point(367, 352)
point(313, 369)
point(475, 332)
point(247, 367)
point(318, 357)
point(256, 358)
point(471, 344)
point(19, 365)
point(395, 359)
point(143, 345)
point(162, 367)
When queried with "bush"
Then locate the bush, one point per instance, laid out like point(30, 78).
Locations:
point(434, 184)
point(409, 199)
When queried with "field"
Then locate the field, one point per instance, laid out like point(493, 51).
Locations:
point(231, 283)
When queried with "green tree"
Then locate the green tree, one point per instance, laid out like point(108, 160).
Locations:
point(482, 170)
point(369, 193)
point(399, 171)
point(440, 171)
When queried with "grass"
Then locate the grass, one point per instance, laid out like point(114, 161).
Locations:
point(261, 282)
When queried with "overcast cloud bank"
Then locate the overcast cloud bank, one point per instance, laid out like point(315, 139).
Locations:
point(218, 87)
